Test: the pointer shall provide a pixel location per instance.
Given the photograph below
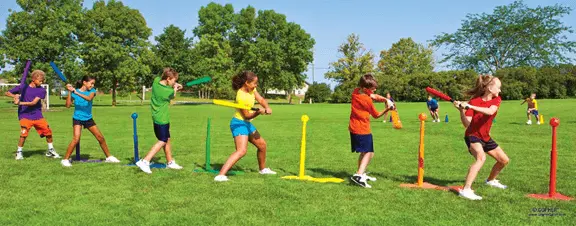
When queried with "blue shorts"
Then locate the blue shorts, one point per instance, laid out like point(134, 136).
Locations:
point(434, 109)
point(162, 132)
point(241, 128)
point(361, 142)
point(534, 112)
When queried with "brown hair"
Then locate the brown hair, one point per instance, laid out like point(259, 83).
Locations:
point(368, 82)
point(239, 79)
point(169, 73)
point(37, 73)
point(482, 82)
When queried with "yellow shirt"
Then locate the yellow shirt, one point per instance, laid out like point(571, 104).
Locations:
point(246, 99)
point(535, 104)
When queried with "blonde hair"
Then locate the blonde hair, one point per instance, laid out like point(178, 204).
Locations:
point(37, 73)
point(480, 88)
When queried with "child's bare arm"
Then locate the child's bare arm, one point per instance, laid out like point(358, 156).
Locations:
point(32, 103)
point(263, 102)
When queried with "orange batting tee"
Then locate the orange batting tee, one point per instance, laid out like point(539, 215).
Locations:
point(362, 108)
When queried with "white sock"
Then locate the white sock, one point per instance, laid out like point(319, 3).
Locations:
point(50, 146)
point(19, 149)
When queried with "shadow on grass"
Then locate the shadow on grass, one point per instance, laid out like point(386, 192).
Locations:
point(516, 123)
point(27, 154)
point(341, 174)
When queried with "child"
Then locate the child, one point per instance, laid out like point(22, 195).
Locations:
point(30, 113)
point(82, 97)
point(389, 98)
point(432, 104)
point(532, 108)
point(482, 109)
point(163, 90)
point(242, 129)
point(359, 126)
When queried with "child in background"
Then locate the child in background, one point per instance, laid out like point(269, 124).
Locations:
point(361, 140)
point(82, 97)
point(532, 108)
point(243, 131)
point(482, 109)
point(30, 113)
point(432, 104)
point(163, 90)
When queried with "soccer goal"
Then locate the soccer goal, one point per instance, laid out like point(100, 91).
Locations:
point(46, 102)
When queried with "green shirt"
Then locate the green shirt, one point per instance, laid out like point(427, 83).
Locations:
point(161, 96)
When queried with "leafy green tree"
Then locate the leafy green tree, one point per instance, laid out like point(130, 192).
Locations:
point(44, 31)
point(406, 57)
point(115, 39)
point(173, 49)
point(512, 36)
point(318, 92)
point(355, 61)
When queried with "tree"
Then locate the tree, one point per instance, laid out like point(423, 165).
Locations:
point(513, 35)
point(318, 92)
point(173, 49)
point(115, 39)
point(406, 57)
point(44, 31)
point(355, 61)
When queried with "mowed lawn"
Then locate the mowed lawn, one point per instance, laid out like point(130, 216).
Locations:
point(39, 191)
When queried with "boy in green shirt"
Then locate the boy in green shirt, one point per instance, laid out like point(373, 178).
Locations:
point(163, 90)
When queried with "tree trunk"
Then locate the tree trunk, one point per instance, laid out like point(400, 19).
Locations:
point(289, 97)
point(114, 84)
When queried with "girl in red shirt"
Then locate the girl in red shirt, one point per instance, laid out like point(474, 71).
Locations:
point(477, 119)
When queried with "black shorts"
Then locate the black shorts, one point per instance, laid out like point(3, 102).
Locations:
point(361, 143)
point(487, 146)
point(86, 124)
point(433, 109)
point(162, 132)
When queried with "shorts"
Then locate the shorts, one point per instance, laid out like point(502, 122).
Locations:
point(241, 128)
point(534, 112)
point(41, 126)
point(162, 132)
point(86, 124)
point(486, 145)
point(361, 143)
point(434, 109)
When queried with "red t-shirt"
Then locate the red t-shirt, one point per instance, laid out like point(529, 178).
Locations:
point(362, 108)
point(481, 123)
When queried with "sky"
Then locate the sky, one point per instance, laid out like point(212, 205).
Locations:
point(379, 23)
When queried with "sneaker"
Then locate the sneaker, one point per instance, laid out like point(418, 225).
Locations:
point(369, 177)
point(52, 153)
point(469, 194)
point(173, 165)
point(221, 178)
point(19, 155)
point(538, 123)
point(529, 122)
point(66, 163)
point(496, 184)
point(144, 166)
point(384, 121)
point(360, 180)
point(112, 159)
point(267, 171)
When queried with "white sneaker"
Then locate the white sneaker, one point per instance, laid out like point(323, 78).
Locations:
point(529, 122)
point(221, 178)
point(369, 177)
point(19, 155)
point(538, 123)
point(144, 166)
point(52, 153)
point(360, 180)
point(112, 159)
point(469, 194)
point(66, 163)
point(267, 171)
point(384, 121)
point(173, 165)
point(496, 184)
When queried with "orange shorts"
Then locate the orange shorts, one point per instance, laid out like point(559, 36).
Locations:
point(41, 126)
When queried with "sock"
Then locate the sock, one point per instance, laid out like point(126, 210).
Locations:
point(50, 146)
point(19, 149)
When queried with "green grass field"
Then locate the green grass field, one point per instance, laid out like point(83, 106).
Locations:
point(39, 191)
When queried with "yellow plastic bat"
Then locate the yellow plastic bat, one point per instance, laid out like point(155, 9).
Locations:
point(233, 105)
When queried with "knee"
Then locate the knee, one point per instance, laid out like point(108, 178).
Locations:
point(75, 139)
point(241, 152)
point(481, 159)
point(101, 139)
point(504, 161)
point(262, 146)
